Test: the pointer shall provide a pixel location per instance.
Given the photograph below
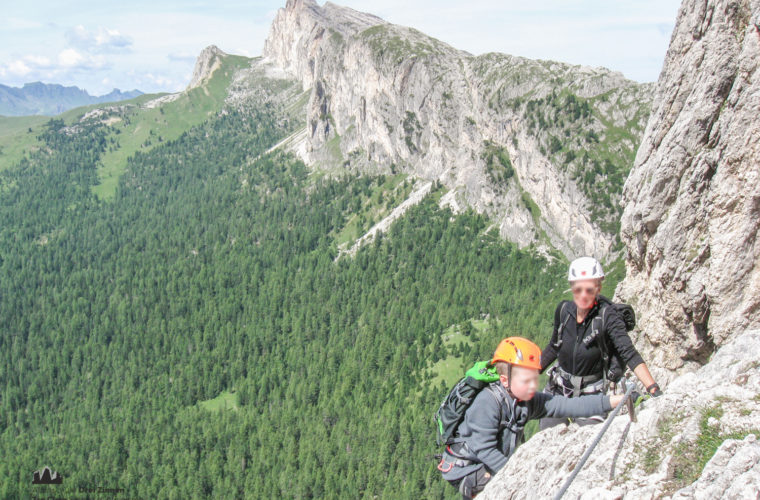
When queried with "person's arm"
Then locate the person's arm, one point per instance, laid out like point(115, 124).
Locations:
point(483, 419)
point(549, 354)
point(548, 405)
point(616, 331)
point(642, 372)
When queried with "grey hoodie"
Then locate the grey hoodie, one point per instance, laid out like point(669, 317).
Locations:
point(493, 425)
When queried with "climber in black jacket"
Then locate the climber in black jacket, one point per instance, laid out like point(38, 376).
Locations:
point(580, 368)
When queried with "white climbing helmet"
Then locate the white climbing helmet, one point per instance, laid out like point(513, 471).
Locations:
point(585, 268)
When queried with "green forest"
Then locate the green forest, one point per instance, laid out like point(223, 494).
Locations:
point(195, 336)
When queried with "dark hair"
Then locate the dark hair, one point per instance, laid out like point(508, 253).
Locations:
point(502, 368)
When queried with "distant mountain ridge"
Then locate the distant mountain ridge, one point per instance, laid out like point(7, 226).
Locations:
point(39, 98)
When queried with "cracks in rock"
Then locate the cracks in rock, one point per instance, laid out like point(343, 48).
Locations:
point(699, 29)
point(405, 76)
point(723, 92)
point(660, 134)
point(705, 346)
point(424, 98)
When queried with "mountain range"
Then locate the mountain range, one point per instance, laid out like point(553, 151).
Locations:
point(50, 99)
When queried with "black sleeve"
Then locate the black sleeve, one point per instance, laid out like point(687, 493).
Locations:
point(615, 330)
point(549, 354)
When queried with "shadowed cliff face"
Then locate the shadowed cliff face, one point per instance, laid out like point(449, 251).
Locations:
point(692, 201)
point(542, 147)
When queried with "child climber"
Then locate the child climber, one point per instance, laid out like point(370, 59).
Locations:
point(493, 425)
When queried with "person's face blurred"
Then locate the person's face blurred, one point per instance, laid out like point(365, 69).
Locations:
point(585, 292)
point(524, 383)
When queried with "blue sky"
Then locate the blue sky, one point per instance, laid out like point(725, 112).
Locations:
point(152, 45)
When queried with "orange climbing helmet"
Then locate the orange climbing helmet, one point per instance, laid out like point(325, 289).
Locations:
point(518, 352)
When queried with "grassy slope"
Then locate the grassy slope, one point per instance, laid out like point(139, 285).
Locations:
point(141, 129)
point(15, 138)
point(225, 401)
point(452, 367)
point(135, 128)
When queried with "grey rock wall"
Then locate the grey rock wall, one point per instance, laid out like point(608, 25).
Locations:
point(692, 201)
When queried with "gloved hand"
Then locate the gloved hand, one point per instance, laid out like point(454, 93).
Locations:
point(637, 398)
point(654, 390)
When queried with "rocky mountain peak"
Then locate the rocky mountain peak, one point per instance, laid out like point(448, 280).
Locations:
point(208, 61)
point(531, 143)
point(300, 4)
point(295, 37)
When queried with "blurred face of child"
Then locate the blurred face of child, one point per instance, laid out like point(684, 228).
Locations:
point(524, 382)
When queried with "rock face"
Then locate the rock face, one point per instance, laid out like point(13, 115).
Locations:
point(535, 144)
point(208, 61)
point(692, 201)
point(663, 452)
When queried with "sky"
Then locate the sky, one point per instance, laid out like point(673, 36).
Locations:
point(99, 45)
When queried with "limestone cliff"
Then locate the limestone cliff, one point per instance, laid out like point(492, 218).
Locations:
point(690, 228)
point(692, 201)
point(699, 440)
point(535, 144)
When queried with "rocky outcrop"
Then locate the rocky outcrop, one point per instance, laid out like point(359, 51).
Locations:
point(692, 201)
point(209, 60)
point(662, 454)
point(534, 144)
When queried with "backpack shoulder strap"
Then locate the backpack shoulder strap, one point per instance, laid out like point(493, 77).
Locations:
point(599, 327)
point(499, 400)
point(563, 319)
point(509, 423)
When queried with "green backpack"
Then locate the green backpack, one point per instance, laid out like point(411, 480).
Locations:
point(451, 412)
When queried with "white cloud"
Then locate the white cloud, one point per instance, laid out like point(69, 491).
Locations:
point(25, 66)
point(36, 67)
point(72, 59)
point(19, 68)
point(39, 61)
point(100, 40)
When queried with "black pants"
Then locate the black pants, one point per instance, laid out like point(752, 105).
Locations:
point(473, 483)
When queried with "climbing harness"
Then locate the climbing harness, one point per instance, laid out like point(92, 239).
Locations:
point(593, 444)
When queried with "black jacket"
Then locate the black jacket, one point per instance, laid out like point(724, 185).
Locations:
point(578, 359)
